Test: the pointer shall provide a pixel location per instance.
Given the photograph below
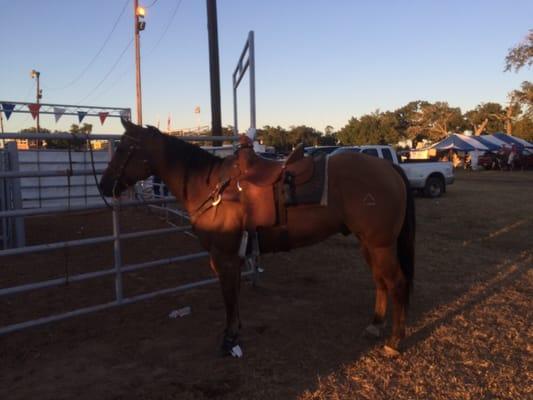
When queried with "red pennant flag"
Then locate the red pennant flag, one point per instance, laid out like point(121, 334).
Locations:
point(34, 109)
point(103, 116)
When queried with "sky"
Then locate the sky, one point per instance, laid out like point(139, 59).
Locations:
point(318, 62)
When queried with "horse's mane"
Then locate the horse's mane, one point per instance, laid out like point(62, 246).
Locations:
point(193, 157)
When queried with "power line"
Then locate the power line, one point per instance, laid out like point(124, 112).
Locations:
point(123, 74)
point(153, 3)
point(96, 55)
point(109, 72)
point(178, 4)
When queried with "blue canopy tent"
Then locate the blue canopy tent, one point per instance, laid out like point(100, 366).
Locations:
point(459, 142)
point(484, 141)
point(511, 140)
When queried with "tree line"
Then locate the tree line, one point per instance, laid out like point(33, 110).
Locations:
point(77, 143)
point(416, 120)
point(421, 119)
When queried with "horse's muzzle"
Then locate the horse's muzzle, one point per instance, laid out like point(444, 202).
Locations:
point(111, 187)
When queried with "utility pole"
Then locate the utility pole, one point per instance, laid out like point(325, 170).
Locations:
point(37, 75)
point(214, 70)
point(139, 25)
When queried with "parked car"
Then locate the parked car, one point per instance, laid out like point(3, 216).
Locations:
point(271, 156)
point(428, 177)
point(346, 149)
point(314, 150)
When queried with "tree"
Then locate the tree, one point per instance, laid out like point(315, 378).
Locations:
point(521, 99)
point(521, 54)
point(436, 121)
point(522, 102)
point(329, 137)
point(75, 144)
point(275, 136)
point(33, 143)
point(303, 134)
point(524, 98)
point(487, 117)
point(523, 128)
point(375, 128)
point(407, 116)
point(33, 129)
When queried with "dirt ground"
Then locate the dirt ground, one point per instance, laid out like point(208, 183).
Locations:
point(469, 332)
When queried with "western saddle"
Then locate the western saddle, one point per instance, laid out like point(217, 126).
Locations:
point(265, 188)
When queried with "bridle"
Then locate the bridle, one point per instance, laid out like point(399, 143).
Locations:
point(132, 149)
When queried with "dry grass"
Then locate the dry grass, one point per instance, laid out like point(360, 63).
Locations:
point(469, 334)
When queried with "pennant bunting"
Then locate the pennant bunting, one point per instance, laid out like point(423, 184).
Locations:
point(34, 109)
point(81, 115)
point(103, 116)
point(125, 114)
point(8, 109)
point(58, 113)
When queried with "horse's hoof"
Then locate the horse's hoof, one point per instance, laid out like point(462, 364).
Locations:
point(390, 351)
point(374, 331)
point(236, 351)
point(230, 347)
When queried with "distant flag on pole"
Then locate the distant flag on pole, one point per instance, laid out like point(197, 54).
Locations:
point(34, 109)
point(125, 114)
point(103, 115)
point(81, 115)
point(58, 113)
point(8, 109)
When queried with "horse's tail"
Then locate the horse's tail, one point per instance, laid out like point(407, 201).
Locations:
point(406, 239)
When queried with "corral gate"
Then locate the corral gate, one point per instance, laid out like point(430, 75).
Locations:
point(10, 178)
point(118, 268)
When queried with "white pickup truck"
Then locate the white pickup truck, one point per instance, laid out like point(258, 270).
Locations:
point(428, 177)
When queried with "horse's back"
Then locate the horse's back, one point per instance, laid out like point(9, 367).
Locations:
point(370, 193)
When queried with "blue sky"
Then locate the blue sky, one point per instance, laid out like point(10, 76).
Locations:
point(319, 62)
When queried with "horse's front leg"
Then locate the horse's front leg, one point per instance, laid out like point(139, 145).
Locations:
point(228, 268)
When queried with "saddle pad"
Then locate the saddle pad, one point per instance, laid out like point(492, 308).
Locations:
point(310, 191)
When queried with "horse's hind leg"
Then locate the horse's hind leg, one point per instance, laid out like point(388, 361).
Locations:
point(375, 329)
point(390, 279)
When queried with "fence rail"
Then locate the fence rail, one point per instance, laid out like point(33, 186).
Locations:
point(13, 211)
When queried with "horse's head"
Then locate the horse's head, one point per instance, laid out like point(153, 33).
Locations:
point(130, 162)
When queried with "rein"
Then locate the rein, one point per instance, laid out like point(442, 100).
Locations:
point(94, 173)
point(122, 168)
point(213, 200)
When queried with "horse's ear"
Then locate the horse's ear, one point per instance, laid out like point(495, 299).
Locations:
point(127, 124)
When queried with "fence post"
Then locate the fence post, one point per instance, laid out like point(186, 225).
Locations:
point(117, 254)
point(19, 236)
point(5, 232)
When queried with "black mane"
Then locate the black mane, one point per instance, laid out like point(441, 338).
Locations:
point(193, 157)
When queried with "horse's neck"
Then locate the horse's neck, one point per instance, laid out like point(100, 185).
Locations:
point(190, 187)
point(200, 185)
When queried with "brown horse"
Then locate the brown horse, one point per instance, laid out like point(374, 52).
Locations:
point(366, 196)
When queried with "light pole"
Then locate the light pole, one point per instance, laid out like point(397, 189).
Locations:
point(36, 75)
point(214, 70)
point(139, 25)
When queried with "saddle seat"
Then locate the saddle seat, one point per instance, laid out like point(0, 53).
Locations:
point(260, 171)
point(266, 188)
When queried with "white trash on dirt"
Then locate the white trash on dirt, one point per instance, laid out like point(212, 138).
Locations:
point(181, 312)
point(236, 351)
